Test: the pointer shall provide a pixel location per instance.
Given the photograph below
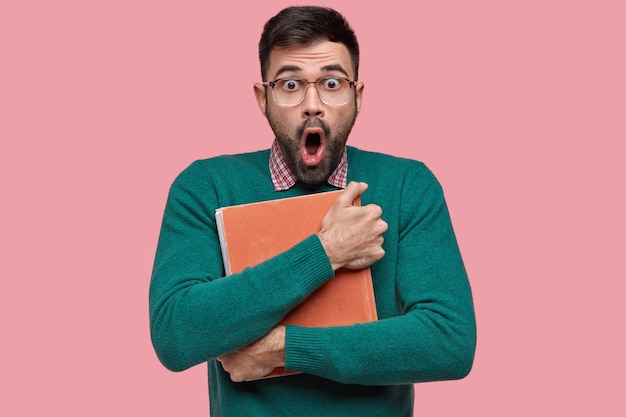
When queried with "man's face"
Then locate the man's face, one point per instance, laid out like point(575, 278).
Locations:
point(312, 134)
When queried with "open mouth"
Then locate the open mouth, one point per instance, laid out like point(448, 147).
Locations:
point(313, 146)
point(312, 143)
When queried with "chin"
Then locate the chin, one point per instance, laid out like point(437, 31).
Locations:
point(313, 175)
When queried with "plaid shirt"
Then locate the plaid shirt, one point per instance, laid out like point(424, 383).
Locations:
point(284, 179)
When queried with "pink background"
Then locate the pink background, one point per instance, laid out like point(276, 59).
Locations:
point(519, 107)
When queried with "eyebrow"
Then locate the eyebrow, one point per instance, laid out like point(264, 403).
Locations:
point(295, 68)
point(287, 68)
point(335, 67)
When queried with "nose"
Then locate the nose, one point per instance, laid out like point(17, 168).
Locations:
point(312, 105)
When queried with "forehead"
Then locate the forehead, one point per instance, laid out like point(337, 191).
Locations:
point(310, 60)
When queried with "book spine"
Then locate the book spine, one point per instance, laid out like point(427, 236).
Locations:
point(223, 245)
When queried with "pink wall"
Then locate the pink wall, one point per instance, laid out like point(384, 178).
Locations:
point(520, 111)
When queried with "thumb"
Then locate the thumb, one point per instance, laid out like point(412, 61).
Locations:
point(351, 193)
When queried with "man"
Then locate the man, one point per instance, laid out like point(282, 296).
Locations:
point(426, 330)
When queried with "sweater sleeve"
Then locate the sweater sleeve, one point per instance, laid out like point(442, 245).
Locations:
point(196, 314)
point(433, 336)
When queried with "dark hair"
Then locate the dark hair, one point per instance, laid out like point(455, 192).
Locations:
point(303, 26)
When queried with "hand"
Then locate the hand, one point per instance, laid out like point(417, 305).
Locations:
point(352, 235)
point(257, 359)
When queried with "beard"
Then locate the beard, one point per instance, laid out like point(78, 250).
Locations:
point(291, 146)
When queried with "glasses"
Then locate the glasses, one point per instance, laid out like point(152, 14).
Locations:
point(334, 91)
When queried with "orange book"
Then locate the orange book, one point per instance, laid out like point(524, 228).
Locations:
point(251, 233)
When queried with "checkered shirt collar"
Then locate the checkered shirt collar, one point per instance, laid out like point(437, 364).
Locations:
point(284, 179)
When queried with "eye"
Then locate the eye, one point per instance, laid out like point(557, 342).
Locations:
point(291, 84)
point(331, 83)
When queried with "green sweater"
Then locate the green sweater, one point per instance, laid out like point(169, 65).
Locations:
point(426, 328)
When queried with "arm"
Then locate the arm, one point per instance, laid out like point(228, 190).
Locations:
point(433, 335)
point(432, 338)
point(352, 238)
point(195, 313)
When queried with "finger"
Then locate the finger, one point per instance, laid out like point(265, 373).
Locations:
point(351, 193)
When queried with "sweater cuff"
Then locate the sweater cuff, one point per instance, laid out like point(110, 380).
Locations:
point(303, 346)
point(309, 260)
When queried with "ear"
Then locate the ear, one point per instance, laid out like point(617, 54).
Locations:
point(261, 97)
point(359, 95)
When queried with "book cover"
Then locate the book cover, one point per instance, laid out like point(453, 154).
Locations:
point(251, 233)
